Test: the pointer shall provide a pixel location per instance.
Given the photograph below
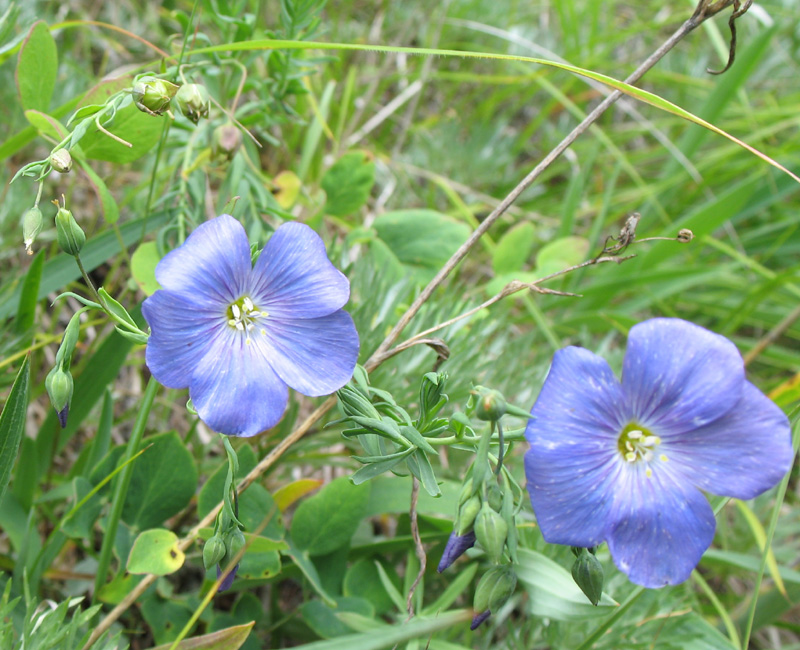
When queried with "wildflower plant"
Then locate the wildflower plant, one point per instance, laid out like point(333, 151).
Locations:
point(289, 393)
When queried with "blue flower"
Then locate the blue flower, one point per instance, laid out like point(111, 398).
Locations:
point(237, 335)
point(456, 546)
point(228, 581)
point(622, 462)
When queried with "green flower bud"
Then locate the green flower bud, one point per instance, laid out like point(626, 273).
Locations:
point(491, 405)
point(494, 589)
point(69, 341)
point(59, 387)
point(234, 542)
point(213, 552)
point(31, 227)
point(194, 101)
point(589, 576)
point(152, 95)
point(467, 514)
point(61, 161)
point(466, 492)
point(226, 140)
point(353, 402)
point(68, 233)
point(495, 498)
point(491, 531)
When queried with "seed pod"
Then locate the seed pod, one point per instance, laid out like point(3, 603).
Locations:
point(61, 161)
point(491, 530)
point(226, 140)
point(467, 514)
point(213, 551)
point(152, 95)
point(68, 233)
point(59, 386)
point(589, 576)
point(194, 101)
point(31, 227)
point(234, 542)
point(494, 589)
point(491, 405)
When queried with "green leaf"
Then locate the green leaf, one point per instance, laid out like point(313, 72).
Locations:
point(162, 484)
point(327, 521)
point(141, 130)
point(12, 423)
point(79, 524)
point(231, 638)
point(348, 183)
point(115, 307)
point(324, 620)
point(513, 249)
point(155, 551)
point(109, 205)
point(421, 239)
point(46, 124)
point(561, 254)
point(166, 618)
point(363, 581)
point(26, 311)
point(143, 267)
point(37, 68)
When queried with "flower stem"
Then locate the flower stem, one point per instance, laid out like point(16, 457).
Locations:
point(121, 487)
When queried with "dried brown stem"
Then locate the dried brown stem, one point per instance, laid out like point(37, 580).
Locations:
point(418, 548)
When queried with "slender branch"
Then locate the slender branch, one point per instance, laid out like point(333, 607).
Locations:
point(419, 549)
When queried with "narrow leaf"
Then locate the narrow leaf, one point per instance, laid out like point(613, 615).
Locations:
point(231, 638)
point(12, 423)
point(26, 310)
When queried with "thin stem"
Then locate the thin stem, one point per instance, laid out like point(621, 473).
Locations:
point(501, 452)
point(89, 282)
point(548, 160)
point(121, 489)
point(418, 548)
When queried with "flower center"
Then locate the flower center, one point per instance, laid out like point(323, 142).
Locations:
point(637, 444)
point(243, 315)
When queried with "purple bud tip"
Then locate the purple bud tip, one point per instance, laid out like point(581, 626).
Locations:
point(478, 619)
point(228, 581)
point(456, 546)
point(62, 416)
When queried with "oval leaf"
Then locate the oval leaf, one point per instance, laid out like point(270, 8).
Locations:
point(37, 68)
point(155, 551)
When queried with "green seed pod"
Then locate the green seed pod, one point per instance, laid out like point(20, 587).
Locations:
point(226, 140)
point(59, 386)
point(495, 498)
point(213, 552)
point(68, 233)
point(152, 95)
point(491, 405)
point(467, 514)
point(61, 161)
point(31, 227)
point(194, 101)
point(494, 589)
point(491, 531)
point(589, 576)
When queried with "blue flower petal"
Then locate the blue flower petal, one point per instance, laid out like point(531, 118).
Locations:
point(741, 455)
point(234, 388)
point(456, 546)
point(315, 356)
point(213, 264)
point(574, 458)
point(228, 581)
point(678, 376)
point(180, 329)
point(293, 277)
point(479, 619)
point(660, 527)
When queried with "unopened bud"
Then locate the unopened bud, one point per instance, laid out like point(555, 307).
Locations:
point(467, 514)
point(226, 140)
point(194, 101)
point(213, 551)
point(685, 236)
point(234, 543)
point(61, 161)
point(31, 227)
point(495, 498)
point(494, 589)
point(588, 575)
point(68, 233)
point(59, 385)
point(153, 96)
point(491, 405)
point(491, 530)
point(456, 546)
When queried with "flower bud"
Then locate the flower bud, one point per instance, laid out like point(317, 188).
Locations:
point(226, 584)
point(226, 140)
point(194, 101)
point(588, 575)
point(491, 530)
point(68, 233)
point(456, 546)
point(152, 95)
point(466, 492)
point(491, 405)
point(494, 589)
point(431, 396)
point(685, 236)
point(478, 619)
point(61, 161)
point(467, 513)
point(31, 227)
point(495, 498)
point(59, 387)
point(234, 543)
point(213, 551)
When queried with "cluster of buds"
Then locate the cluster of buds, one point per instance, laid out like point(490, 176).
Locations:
point(223, 546)
point(155, 96)
point(486, 516)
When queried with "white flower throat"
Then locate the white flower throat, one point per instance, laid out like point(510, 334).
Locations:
point(637, 444)
point(244, 316)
